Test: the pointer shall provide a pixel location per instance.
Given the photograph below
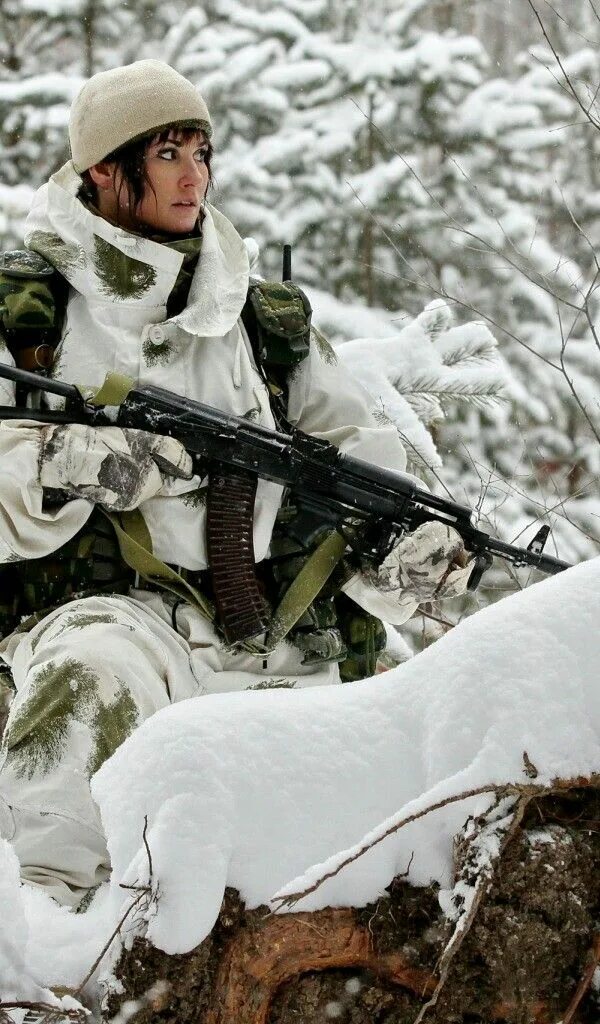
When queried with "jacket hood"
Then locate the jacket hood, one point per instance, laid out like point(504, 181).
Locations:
point(110, 265)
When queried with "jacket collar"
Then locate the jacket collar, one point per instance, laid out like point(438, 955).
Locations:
point(112, 266)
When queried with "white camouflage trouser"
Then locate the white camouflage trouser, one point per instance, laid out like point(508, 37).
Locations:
point(86, 676)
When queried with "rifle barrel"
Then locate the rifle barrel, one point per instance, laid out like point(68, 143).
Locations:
point(35, 381)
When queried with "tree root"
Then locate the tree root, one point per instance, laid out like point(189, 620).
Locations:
point(521, 946)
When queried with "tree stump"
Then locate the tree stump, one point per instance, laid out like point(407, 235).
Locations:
point(528, 958)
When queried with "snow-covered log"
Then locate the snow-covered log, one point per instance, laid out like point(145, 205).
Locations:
point(241, 793)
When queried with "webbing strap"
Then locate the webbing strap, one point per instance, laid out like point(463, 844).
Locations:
point(113, 390)
point(305, 587)
point(136, 550)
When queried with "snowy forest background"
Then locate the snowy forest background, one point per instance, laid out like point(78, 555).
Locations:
point(413, 152)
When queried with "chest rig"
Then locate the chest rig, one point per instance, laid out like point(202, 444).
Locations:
point(277, 319)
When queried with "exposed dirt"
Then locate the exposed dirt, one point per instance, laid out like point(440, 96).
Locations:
point(189, 977)
point(521, 961)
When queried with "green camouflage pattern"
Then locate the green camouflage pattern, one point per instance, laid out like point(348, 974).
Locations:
point(273, 684)
point(60, 693)
point(190, 247)
point(121, 276)
point(25, 263)
point(323, 346)
point(31, 302)
point(88, 563)
point(365, 638)
point(64, 256)
point(26, 304)
point(279, 313)
point(89, 558)
point(157, 355)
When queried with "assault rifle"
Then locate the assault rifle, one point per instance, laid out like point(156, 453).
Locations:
point(369, 506)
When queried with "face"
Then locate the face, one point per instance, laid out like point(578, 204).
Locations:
point(178, 178)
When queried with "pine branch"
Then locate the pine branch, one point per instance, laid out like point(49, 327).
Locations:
point(434, 387)
point(469, 356)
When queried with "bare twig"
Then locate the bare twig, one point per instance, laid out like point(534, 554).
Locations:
point(109, 941)
point(143, 891)
point(435, 618)
point(148, 854)
point(519, 790)
point(564, 72)
point(482, 887)
point(418, 281)
point(49, 1012)
point(289, 901)
point(585, 983)
point(565, 339)
point(567, 24)
point(594, 11)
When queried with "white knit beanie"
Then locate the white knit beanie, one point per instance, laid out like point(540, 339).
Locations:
point(120, 105)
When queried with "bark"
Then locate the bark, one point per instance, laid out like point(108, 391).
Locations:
point(529, 956)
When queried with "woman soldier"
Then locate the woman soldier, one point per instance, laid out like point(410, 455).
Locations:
point(153, 281)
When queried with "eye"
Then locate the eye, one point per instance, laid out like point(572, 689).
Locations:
point(201, 155)
point(166, 152)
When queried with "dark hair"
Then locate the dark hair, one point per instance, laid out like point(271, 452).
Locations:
point(130, 161)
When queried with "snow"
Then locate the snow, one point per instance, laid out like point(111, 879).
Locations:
point(412, 372)
point(264, 791)
point(291, 96)
point(53, 86)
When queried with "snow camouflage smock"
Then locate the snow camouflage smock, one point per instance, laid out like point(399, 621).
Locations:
point(116, 321)
point(92, 671)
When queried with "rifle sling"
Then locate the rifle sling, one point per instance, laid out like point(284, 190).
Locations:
point(136, 550)
point(305, 587)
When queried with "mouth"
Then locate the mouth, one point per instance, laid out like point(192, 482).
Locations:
point(186, 205)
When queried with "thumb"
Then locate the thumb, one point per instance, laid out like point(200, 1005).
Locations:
point(171, 457)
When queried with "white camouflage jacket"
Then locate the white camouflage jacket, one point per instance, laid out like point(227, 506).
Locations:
point(116, 320)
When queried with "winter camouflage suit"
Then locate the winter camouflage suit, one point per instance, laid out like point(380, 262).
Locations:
point(93, 669)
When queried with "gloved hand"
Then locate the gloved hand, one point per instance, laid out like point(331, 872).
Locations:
point(115, 467)
point(428, 564)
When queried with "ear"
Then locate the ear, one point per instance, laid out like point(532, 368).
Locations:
point(102, 175)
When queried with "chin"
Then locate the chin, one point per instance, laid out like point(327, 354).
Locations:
point(180, 222)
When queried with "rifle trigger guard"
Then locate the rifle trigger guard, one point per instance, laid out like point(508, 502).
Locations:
point(482, 563)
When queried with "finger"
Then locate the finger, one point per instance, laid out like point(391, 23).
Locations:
point(171, 458)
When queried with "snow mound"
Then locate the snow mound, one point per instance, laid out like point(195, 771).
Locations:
point(250, 789)
point(260, 790)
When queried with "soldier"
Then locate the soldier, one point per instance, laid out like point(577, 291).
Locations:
point(130, 269)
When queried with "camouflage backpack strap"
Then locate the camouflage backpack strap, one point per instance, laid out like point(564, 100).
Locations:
point(277, 317)
point(32, 304)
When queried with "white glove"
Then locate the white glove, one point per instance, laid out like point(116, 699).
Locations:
point(428, 564)
point(114, 467)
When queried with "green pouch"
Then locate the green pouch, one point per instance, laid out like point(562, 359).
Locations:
point(26, 296)
point(277, 317)
point(365, 637)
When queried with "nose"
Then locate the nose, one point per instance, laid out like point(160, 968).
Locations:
point(193, 173)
